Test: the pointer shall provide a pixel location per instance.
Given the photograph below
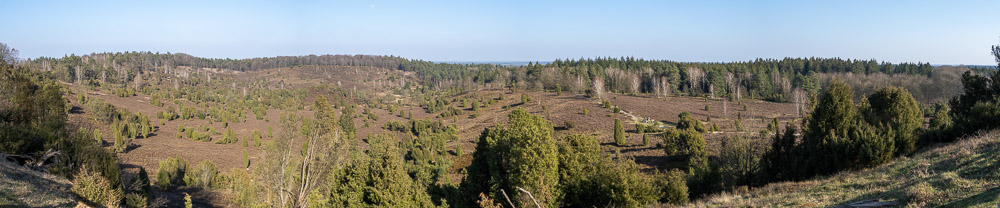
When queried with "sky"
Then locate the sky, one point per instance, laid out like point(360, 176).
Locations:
point(939, 32)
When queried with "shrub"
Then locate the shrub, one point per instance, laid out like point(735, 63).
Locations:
point(673, 186)
point(588, 178)
point(203, 175)
point(171, 173)
point(93, 187)
point(229, 137)
point(120, 143)
point(896, 108)
point(135, 200)
point(687, 122)
point(684, 142)
point(739, 161)
point(708, 108)
point(585, 112)
point(645, 140)
point(619, 133)
point(522, 154)
point(569, 124)
point(246, 159)
point(525, 99)
point(141, 186)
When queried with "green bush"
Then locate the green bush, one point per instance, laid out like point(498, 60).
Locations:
point(687, 122)
point(171, 173)
point(619, 133)
point(673, 186)
point(896, 108)
point(522, 154)
point(229, 137)
point(95, 188)
point(588, 178)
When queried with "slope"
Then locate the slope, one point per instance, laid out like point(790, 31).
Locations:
point(965, 173)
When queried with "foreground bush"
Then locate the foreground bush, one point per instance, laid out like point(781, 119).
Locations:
point(522, 154)
point(95, 188)
point(588, 178)
point(171, 173)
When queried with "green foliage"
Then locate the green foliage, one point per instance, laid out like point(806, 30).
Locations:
point(558, 90)
point(120, 143)
point(522, 154)
point(187, 201)
point(896, 109)
point(687, 122)
point(585, 112)
point(229, 137)
point(346, 122)
point(682, 142)
point(32, 111)
point(942, 118)
point(246, 159)
point(708, 108)
point(171, 173)
point(645, 140)
point(739, 162)
point(673, 185)
point(589, 178)
point(378, 180)
point(94, 187)
point(525, 99)
point(978, 108)
point(396, 126)
point(619, 133)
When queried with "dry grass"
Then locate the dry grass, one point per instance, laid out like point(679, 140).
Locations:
point(21, 187)
point(965, 173)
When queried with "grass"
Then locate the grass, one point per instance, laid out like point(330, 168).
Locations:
point(965, 173)
point(20, 187)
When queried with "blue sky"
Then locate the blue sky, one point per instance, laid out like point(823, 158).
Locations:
point(940, 32)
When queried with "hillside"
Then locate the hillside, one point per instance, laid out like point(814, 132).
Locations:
point(21, 187)
point(965, 173)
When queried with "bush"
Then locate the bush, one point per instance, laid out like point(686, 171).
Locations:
point(645, 140)
point(682, 142)
point(569, 124)
point(588, 178)
point(136, 200)
point(673, 186)
point(204, 175)
point(619, 133)
point(525, 99)
point(93, 187)
point(687, 122)
point(171, 173)
point(896, 108)
point(739, 162)
point(229, 137)
point(141, 186)
point(522, 154)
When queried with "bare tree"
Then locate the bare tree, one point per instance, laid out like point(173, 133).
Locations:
point(635, 84)
point(695, 77)
point(598, 87)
